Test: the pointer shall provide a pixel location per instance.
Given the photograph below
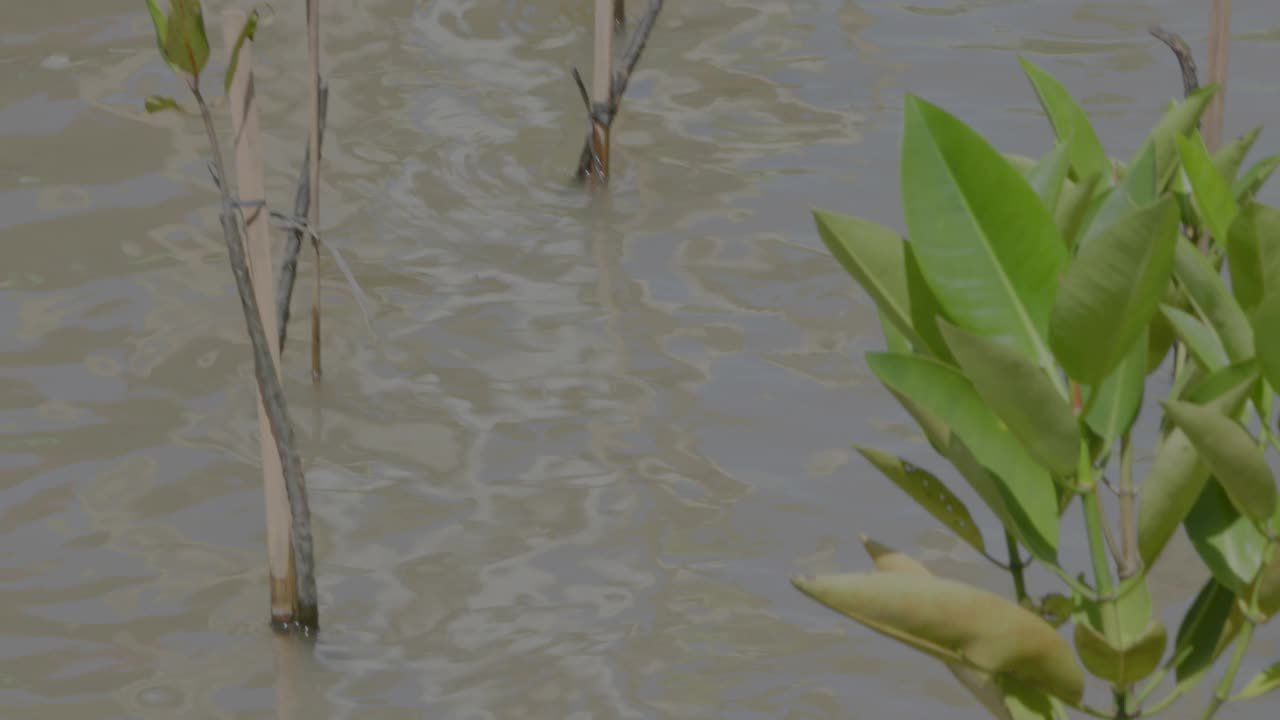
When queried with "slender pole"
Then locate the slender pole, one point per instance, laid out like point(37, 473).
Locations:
point(619, 12)
point(257, 242)
point(602, 85)
point(1219, 49)
point(313, 210)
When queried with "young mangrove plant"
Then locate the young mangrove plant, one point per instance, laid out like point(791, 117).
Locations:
point(180, 35)
point(1022, 317)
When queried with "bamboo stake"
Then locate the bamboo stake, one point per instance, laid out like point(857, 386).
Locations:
point(293, 594)
point(313, 209)
point(1219, 49)
point(602, 86)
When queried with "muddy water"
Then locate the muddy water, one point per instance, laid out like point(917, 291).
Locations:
point(566, 464)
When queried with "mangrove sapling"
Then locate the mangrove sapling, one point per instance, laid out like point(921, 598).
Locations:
point(1022, 317)
point(185, 48)
point(608, 87)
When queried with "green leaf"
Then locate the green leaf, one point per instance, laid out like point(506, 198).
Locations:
point(1228, 543)
point(955, 623)
point(929, 493)
point(158, 20)
point(1022, 396)
point(1205, 631)
point(1211, 299)
point(1252, 181)
point(894, 340)
point(1027, 703)
point(1115, 409)
point(1199, 338)
point(1211, 192)
point(246, 33)
point(1267, 589)
point(1177, 478)
point(1088, 157)
point(1025, 486)
point(1253, 253)
point(1228, 159)
point(1266, 321)
point(885, 266)
point(1121, 665)
point(1111, 291)
point(186, 45)
point(1233, 456)
point(985, 243)
point(1050, 173)
point(1180, 120)
point(1135, 189)
point(1220, 381)
point(159, 103)
point(1076, 205)
point(1261, 684)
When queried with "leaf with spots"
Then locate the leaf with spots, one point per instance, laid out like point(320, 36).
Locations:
point(928, 492)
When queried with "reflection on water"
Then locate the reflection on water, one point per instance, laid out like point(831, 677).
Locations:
point(570, 467)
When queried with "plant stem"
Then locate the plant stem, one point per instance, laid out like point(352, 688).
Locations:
point(1015, 566)
point(1228, 678)
point(313, 209)
point(1128, 511)
point(269, 386)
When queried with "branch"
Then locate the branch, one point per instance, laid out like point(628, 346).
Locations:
point(293, 243)
point(1190, 80)
point(604, 112)
point(270, 387)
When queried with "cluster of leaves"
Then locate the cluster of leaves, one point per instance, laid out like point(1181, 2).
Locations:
point(184, 45)
point(1022, 320)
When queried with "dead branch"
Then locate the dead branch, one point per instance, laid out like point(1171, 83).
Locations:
point(1187, 62)
point(604, 112)
point(293, 242)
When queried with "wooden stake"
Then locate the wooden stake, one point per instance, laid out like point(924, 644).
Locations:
point(313, 211)
point(1219, 49)
point(602, 86)
point(257, 240)
point(619, 12)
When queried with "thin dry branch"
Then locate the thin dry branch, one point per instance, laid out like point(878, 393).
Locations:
point(604, 112)
point(269, 386)
point(313, 210)
point(293, 242)
point(1186, 61)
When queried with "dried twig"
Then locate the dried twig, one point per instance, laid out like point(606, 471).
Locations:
point(313, 210)
point(590, 164)
point(293, 242)
point(269, 386)
point(1187, 62)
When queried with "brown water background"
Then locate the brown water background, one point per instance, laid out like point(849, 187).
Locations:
point(566, 467)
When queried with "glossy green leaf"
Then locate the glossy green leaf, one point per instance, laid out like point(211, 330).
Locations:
point(1025, 485)
point(1228, 159)
point(1121, 665)
point(1136, 189)
point(1264, 682)
point(1115, 409)
point(955, 623)
point(246, 33)
point(1228, 543)
point(1022, 396)
point(159, 103)
point(1267, 589)
point(1112, 290)
point(985, 243)
point(1233, 456)
point(1210, 190)
point(1028, 703)
point(1253, 253)
point(1177, 478)
point(1266, 328)
point(1248, 185)
point(159, 21)
point(1179, 121)
point(894, 340)
point(1069, 121)
point(1205, 631)
point(1050, 173)
point(1213, 301)
point(1076, 205)
point(1204, 389)
point(929, 493)
point(884, 266)
point(186, 45)
point(1203, 343)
